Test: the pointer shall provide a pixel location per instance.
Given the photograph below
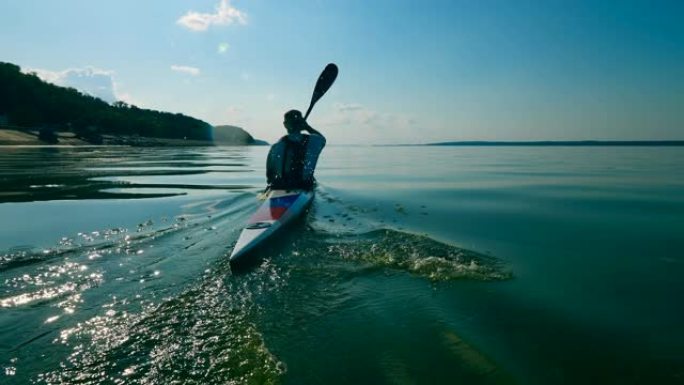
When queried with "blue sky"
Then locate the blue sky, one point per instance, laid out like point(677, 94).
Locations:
point(410, 71)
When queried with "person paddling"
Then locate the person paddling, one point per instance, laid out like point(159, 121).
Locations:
point(292, 160)
point(290, 175)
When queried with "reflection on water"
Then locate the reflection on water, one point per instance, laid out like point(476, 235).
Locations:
point(414, 265)
point(53, 173)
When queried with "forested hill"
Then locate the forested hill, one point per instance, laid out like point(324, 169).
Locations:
point(27, 101)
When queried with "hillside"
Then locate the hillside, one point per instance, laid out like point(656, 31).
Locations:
point(27, 101)
point(233, 135)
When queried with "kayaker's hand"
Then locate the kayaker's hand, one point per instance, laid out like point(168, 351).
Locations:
point(310, 129)
point(262, 196)
point(300, 124)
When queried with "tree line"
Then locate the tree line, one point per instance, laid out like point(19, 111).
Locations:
point(27, 101)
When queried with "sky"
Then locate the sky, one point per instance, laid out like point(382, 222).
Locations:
point(410, 71)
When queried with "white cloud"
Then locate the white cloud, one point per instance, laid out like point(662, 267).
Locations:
point(270, 96)
point(89, 80)
point(235, 110)
point(47, 75)
point(235, 115)
point(223, 48)
point(225, 14)
point(357, 114)
point(186, 70)
point(346, 107)
point(366, 125)
point(124, 96)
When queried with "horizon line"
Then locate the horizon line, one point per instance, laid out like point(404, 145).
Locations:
point(588, 142)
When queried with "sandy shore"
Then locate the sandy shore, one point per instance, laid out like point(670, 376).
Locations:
point(30, 138)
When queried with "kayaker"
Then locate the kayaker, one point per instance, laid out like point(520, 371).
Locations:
point(291, 161)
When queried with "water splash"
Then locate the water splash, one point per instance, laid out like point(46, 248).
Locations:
point(418, 255)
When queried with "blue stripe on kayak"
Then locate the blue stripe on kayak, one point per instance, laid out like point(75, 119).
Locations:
point(285, 201)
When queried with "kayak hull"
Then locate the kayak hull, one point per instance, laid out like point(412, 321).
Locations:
point(280, 208)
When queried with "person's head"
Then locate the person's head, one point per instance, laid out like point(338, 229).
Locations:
point(293, 121)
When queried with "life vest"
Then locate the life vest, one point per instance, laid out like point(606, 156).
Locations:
point(292, 166)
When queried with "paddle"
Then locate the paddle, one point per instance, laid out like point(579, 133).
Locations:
point(323, 84)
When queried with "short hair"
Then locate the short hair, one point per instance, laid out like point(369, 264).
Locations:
point(292, 115)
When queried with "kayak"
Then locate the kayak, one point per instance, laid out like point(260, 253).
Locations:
point(280, 208)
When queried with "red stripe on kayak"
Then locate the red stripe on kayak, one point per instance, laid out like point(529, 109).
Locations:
point(267, 214)
point(273, 209)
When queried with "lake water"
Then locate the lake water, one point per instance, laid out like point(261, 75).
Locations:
point(415, 265)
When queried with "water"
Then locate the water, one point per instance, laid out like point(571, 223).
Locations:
point(415, 265)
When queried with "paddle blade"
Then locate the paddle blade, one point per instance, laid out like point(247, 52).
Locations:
point(323, 84)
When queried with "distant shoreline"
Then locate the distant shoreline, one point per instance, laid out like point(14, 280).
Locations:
point(30, 137)
point(567, 143)
point(9, 137)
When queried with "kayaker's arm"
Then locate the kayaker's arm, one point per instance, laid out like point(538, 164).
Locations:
point(311, 130)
